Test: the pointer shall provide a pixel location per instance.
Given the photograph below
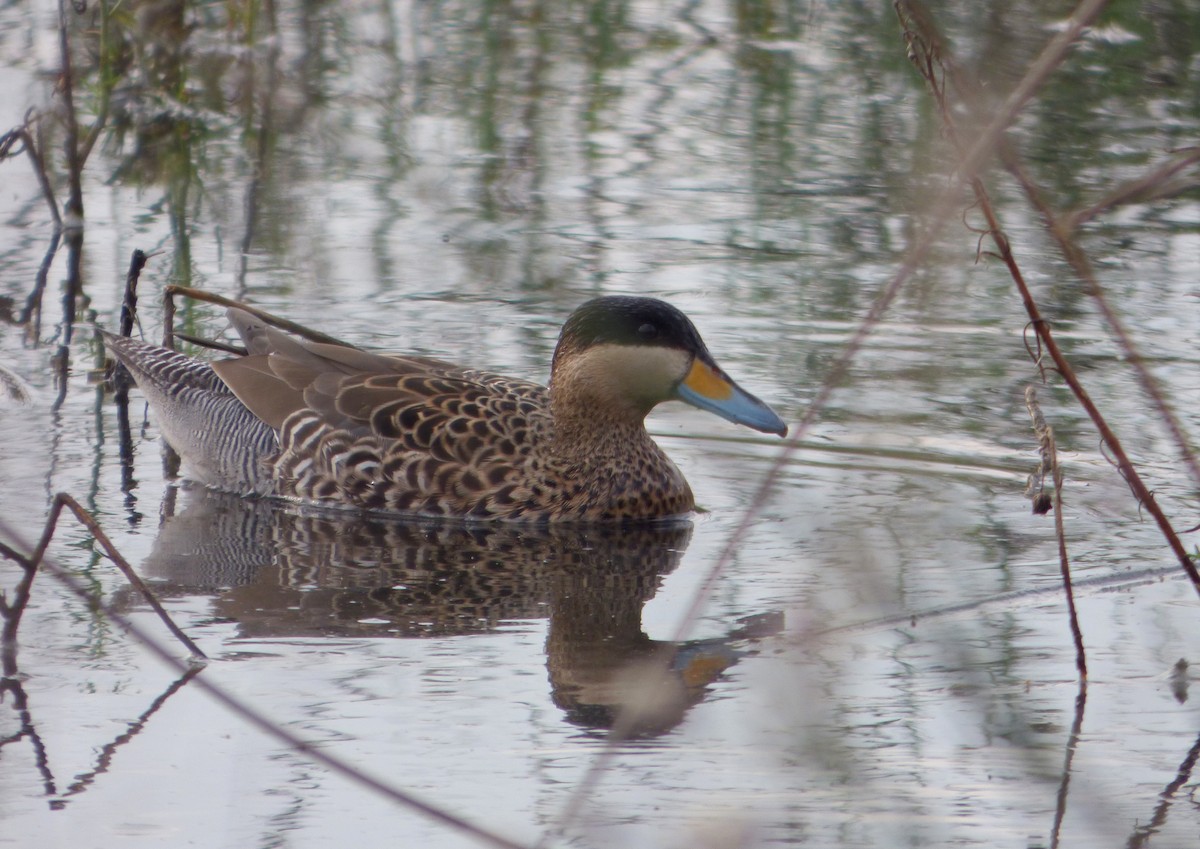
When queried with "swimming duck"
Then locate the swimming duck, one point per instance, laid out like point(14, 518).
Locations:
point(337, 426)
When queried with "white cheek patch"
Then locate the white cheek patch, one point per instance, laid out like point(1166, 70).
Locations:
point(645, 374)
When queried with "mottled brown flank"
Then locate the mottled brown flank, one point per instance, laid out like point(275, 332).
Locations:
point(444, 441)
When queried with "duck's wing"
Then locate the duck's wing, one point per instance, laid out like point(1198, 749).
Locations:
point(424, 405)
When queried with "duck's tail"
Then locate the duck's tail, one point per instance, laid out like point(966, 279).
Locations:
point(222, 444)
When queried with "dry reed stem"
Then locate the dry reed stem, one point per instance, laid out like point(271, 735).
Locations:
point(213, 298)
point(61, 501)
point(1061, 231)
point(310, 750)
point(935, 63)
point(943, 210)
point(1156, 184)
point(1049, 465)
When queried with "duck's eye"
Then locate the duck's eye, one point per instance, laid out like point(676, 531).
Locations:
point(648, 331)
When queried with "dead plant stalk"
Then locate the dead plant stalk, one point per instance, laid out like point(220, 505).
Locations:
point(933, 60)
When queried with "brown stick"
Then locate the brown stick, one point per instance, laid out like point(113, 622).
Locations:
point(129, 303)
point(62, 500)
point(273, 320)
point(931, 59)
point(1156, 184)
point(1049, 452)
point(1082, 266)
point(935, 61)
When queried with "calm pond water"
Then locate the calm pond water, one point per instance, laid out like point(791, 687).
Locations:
point(885, 662)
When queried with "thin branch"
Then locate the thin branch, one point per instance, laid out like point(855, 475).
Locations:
point(1082, 266)
point(62, 500)
point(273, 320)
point(1156, 184)
point(925, 44)
point(1050, 466)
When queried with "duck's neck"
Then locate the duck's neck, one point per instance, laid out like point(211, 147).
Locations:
point(592, 416)
point(612, 466)
point(583, 429)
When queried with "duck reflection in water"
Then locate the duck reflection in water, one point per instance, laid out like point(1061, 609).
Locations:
point(280, 573)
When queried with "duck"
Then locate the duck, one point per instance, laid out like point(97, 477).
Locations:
point(335, 426)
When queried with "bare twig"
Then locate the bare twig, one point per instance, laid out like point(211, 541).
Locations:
point(121, 379)
point(273, 320)
point(1049, 465)
point(1156, 184)
point(129, 303)
point(931, 58)
point(31, 563)
point(1082, 266)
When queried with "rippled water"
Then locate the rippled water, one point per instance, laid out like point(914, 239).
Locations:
point(886, 661)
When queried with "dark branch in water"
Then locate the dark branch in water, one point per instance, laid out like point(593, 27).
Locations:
point(1060, 805)
point(105, 755)
point(1143, 834)
point(129, 304)
point(27, 145)
point(20, 701)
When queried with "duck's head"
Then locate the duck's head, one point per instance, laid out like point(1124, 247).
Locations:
point(634, 353)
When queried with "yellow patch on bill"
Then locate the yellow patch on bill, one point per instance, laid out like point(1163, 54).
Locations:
point(705, 381)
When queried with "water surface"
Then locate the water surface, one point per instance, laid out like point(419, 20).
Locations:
point(886, 661)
